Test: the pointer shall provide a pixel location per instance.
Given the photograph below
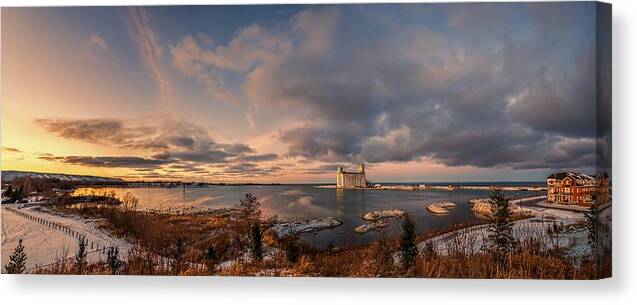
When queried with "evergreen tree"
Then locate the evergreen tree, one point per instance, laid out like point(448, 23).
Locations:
point(112, 259)
point(501, 229)
point(211, 258)
point(257, 244)
point(593, 227)
point(292, 248)
point(408, 249)
point(80, 256)
point(250, 207)
point(211, 254)
point(17, 260)
point(17, 195)
point(8, 192)
point(180, 251)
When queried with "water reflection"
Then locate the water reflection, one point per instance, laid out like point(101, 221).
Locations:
point(339, 203)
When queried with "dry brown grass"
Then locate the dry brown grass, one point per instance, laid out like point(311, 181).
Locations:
point(229, 236)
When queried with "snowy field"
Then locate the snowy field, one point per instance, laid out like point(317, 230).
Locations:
point(536, 227)
point(44, 244)
point(462, 240)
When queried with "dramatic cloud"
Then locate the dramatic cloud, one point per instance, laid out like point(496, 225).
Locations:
point(486, 92)
point(466, 89)
point(159, 134)
point(108, 161)
point(97, 131)
point(170, 145)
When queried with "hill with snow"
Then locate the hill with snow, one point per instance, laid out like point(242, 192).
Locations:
point(10, 175)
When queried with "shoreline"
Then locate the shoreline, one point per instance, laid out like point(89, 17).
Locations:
point(425, 187)
point(532, 187)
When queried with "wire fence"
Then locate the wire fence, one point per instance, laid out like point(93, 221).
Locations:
point(95, 248)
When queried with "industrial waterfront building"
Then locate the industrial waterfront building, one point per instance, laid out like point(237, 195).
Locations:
point(346, 179)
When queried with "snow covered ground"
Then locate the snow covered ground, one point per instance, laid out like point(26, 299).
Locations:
point(535, 227)
point(42, 244)
point(45, 244)
point(471, 240)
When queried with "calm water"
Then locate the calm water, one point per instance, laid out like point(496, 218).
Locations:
point(294, 201)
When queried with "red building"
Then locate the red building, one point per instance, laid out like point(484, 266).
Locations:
point(571, 188)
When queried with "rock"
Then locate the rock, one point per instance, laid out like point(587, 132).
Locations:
point(441, 208)
point(376, 225)
point(377, 215)
point(305, 225)
point(484, 207)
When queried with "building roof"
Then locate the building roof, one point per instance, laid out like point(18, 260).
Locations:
point(574, 176)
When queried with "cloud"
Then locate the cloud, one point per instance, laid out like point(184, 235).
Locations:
point(96, 131)
point(325, 143)
point(410, 91)
point(251, 47)
point(324, 169)
point(236, 148)
point(562, 93)
point(257, 158)
point(464, 86)
point(97, 40)
point(153, 133)
point(150, 51)
point(203, 155)
point(169, 145)
point(186, 57)
point(107, 161)
point(249, 170)
point(315, 29)
point(7, 149)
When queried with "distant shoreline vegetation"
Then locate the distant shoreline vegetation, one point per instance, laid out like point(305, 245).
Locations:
point(61, 180)
point(9, 175)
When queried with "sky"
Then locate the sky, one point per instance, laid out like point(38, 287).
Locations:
point(287, 93)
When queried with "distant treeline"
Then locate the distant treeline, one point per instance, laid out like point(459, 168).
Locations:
point(21, 187)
